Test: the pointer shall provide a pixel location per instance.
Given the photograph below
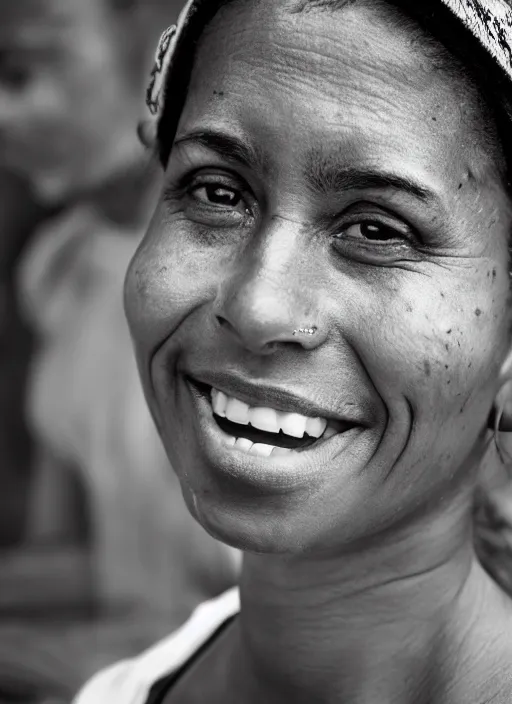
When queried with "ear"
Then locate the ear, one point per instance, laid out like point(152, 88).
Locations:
point(146, 131)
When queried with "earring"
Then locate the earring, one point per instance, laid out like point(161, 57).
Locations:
point(500, 421)
point(146, 132)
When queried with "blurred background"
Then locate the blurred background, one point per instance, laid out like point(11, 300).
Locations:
point(98, 555)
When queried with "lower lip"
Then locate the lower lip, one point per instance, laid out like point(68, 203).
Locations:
point(284, 472)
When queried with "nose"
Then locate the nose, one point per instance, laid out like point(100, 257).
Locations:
point(270, 298)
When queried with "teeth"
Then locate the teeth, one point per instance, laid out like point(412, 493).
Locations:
point(243, 444)
point(329, 432)
point(219, 402)
point(281, 451)
point(263, 450)
point(315, 427)
point(264, 419)
point(268, 419)
point(237, 411)
point(293, 424)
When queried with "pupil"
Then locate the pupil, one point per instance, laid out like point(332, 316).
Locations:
point(222, 196)
point(375, 232)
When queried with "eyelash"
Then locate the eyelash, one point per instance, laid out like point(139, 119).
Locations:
point(403, 234)
point(186, 189)
point(400, 238)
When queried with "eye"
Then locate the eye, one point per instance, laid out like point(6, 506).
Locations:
point(371, 231)
point(375, 236)
point(217, 195)
point(215, 200)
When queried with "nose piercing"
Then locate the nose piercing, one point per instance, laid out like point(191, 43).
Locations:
point(306, 331)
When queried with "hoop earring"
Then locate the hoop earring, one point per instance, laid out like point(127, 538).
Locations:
point(504, 456)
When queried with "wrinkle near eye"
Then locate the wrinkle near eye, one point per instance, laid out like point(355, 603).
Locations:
point(288, 219)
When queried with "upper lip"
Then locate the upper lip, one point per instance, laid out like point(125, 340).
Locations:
point(278, 398)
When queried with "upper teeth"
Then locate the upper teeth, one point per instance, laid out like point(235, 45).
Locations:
point(266, 419)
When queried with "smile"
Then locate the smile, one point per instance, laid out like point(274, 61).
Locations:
point(264, 436)
point(265, 431)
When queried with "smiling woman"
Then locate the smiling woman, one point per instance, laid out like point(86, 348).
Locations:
point(321, 315)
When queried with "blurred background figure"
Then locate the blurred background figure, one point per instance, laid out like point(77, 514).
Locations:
point(99, 555)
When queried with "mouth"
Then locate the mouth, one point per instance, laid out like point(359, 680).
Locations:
point(265, 431)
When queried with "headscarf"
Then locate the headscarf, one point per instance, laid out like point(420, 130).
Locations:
point(486, 25)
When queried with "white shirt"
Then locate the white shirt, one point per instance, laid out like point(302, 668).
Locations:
point(130, 681)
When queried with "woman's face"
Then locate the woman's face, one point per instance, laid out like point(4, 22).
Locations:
point(326, 174)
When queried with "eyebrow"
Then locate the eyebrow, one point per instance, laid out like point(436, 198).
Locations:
point(325, 176)
point(230, 147)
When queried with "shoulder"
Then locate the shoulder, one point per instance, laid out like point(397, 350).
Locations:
point(129, 681)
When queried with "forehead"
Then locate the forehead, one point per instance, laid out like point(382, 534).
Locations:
point(360, 70)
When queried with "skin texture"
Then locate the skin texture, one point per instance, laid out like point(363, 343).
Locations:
point(68, 104)
point(412, 342)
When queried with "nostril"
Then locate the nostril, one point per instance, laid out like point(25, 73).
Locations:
point(251, 340)
point(225, 323)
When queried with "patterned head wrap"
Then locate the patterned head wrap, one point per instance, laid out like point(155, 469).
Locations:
point(489, 22)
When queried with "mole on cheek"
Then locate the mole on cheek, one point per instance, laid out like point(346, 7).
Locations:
point(141, 282)
point(478, 312)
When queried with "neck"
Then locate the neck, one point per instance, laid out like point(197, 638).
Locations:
point(383, 624)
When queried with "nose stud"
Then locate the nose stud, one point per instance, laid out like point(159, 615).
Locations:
point(305, 331)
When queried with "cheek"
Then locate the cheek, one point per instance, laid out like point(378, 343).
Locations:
point(168, 279)
point(442, 344)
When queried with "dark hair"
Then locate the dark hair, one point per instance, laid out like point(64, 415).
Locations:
point(456, 50)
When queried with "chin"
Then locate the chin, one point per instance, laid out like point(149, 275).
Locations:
point(261, 526)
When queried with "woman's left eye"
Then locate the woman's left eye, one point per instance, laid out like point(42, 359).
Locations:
point(381, 239)
point(371, 232)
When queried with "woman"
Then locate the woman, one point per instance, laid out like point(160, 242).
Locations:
point(321, 314)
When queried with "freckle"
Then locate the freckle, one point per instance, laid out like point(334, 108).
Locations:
point(449, 332)
point(449, 381)
point(447, 346)
point(460, 186)
point(458, 343)
point(435, 119)
point(494, 273)
point(442, 294)
point(446, 366)
point(478, 312)
point(427, 367)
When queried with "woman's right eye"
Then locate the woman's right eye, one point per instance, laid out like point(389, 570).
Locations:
point(215, 200)
point(217, 195)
